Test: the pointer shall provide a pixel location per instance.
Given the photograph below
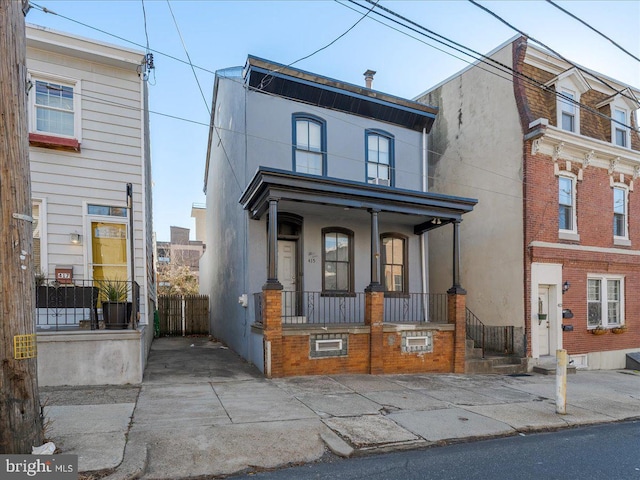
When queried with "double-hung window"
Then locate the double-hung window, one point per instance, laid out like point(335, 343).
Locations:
point(379, 158)
point(337, 260)
point(619, 212)
point(394, 263)
point(568, 108)
point(566, 204)
point(619, 128)
point(54, 107)
point(309, 144)
point(605, 301)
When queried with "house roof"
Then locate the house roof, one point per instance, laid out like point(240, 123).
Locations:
point(268, 183)
point(50, 40)
point(282, 80)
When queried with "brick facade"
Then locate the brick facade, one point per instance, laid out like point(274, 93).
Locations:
point(375, 348)
point(595, 252)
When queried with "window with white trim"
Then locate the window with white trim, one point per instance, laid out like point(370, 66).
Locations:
point(54, 106)
point(620, 212)
point(605, 301)
point(379, 158)
point(566, 204)
point(309, 140)
point(568, 110)
point(619, 130)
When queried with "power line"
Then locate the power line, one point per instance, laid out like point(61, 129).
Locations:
point(325, 112)
point(206, 104)
point(319, 49)
point(502, 20)
point(46, 10)
point(593, 28)
point(496, 64)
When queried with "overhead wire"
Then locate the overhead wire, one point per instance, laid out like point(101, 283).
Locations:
point(593, 29)
point(204, 99)
point(490, 61)
point(516, 29)
point(275, 95)
point(319, 49)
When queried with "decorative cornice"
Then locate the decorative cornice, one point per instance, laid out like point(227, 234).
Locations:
point(613, 164)
point(585, 151)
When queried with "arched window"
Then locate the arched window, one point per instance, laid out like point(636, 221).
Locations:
point(309, 144)
point(337, 260)
point(395, 262)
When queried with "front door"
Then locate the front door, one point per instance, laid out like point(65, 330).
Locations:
point(287, 276)
point(543, 320)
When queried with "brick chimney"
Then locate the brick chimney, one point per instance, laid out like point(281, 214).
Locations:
point(368, 78)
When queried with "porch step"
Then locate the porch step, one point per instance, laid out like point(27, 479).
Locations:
point(551, 369)
point(500, 364)
point(472, 351)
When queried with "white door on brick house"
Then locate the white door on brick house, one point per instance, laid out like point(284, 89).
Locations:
point(287, 275)
point(543, 321)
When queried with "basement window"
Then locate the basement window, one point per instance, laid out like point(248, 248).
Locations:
point(328, 345)
point(417, 342)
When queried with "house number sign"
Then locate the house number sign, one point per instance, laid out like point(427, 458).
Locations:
point(64, 275)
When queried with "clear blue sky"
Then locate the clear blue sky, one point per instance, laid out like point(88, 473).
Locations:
point(220, 34)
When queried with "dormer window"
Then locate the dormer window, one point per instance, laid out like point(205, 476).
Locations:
point(568, 110)
point(569, 85)
point(619, 127)
point(620, 106)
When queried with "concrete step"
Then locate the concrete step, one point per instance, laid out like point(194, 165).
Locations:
point(551, 369)
point(495, 364)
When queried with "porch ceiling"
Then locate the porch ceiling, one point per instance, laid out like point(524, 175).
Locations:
point(269, 183)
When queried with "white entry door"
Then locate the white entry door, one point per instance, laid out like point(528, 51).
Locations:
point(287, 275)
point(543, 321)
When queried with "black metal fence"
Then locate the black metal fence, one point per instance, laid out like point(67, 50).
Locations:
point(87, 304)
point(490, 338)
point(416, 308)
point(317, 308)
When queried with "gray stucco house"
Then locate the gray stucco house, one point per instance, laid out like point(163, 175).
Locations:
point(316, 200)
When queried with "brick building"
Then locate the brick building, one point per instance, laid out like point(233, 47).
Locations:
point(552, 152)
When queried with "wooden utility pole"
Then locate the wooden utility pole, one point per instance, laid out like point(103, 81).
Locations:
point(20, 421)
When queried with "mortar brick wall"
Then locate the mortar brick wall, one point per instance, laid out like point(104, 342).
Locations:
point(297, 360)
point(594, 208)
point(440, 360)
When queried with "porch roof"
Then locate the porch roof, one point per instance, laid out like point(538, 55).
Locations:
point(434, 209)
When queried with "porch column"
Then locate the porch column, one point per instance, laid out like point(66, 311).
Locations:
point(457, 306)
point(272, 247)
point(272, 330)
point(375, 252)
point(456, 288)
point(374, 318)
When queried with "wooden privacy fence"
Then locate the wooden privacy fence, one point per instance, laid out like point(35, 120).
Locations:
point(183, 315)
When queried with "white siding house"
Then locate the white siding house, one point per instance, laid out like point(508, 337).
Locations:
point(89, 148)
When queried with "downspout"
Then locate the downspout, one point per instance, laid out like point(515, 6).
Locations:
point(424, 241)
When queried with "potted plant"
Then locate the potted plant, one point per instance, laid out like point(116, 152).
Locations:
point(115, 308)
point(599, 330)
point(619, 329)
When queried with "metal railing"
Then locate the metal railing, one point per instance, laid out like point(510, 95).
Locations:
point(321, 309)
point(416, 308)
point(84, 304)
point(318, 308)
point(492, 338)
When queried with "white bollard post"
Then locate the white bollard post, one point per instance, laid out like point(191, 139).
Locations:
point(561, 381)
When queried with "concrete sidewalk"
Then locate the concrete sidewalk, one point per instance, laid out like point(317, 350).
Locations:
point(201, 410)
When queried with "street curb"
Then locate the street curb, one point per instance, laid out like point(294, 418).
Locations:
point(134, 464)
point(336, 444)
